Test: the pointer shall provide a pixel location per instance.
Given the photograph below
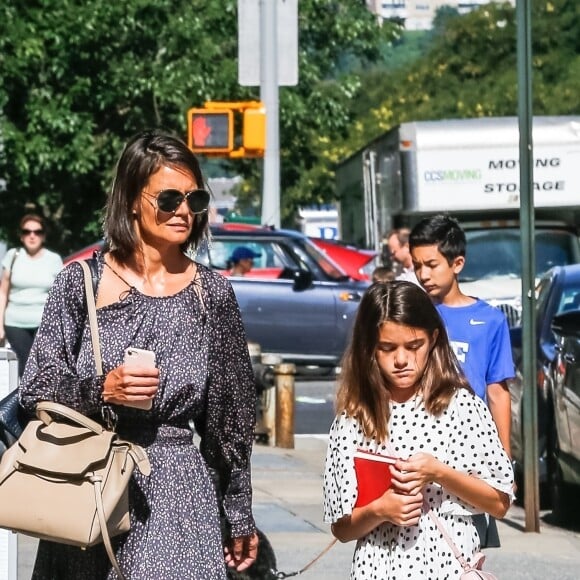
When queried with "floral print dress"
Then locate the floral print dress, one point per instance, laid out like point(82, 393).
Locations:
point(206, 380)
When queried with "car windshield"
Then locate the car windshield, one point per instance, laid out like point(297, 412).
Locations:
point(315, 260)
point(570, 299)
point(493, 253)
point(273, 257)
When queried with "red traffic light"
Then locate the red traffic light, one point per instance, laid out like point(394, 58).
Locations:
point(210, 131)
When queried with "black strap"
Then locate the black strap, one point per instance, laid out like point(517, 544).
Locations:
point(16, 252)
point(93, 264)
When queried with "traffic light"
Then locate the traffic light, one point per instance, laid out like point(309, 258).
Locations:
point(254, 130)
point(210, 130)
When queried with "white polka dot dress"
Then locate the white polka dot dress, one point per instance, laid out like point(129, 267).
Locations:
point(206, 378)
point(464, 437)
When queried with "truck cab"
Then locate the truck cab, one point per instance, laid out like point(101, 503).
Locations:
point(493, 267)
point(469, 169)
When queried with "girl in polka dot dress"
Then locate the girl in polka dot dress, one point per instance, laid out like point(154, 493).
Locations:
point(402, 393)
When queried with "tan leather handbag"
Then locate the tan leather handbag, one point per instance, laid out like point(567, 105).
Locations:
point(66, 478)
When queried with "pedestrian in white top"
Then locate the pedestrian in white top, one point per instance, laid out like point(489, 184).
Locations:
point(27, 275)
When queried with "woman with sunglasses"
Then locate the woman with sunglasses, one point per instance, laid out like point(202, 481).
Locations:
point(152, 295)
point(27, 275)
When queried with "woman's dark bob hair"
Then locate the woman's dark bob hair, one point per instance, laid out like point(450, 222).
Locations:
point(143, 155)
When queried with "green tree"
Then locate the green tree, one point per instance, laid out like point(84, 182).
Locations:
point(79, 77)
point(470, 70)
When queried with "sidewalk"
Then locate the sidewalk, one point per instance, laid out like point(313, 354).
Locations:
point(288, 508)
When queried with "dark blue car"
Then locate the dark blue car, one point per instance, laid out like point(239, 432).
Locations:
point(564, 440)
point(557, 292)
point(295, 301)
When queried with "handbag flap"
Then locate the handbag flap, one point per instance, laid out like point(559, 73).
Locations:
point(62, 448)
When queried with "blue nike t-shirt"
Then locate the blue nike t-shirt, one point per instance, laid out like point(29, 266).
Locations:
point(479, 336)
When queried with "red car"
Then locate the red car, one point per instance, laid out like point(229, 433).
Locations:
point(358, 264)
point(84, 253)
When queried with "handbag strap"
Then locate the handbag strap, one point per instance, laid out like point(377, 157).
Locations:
point(97, 480)
point(456, 552)
point(92, 312)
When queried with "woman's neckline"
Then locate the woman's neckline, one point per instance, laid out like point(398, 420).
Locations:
point(131, 289)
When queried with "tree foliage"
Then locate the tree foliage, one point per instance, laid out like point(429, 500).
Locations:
point(80, 77)
point(470, 70)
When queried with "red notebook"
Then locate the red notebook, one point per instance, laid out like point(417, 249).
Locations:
point(373, 475)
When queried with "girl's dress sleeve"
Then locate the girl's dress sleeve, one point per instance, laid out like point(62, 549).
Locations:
point(475, 448)
point(227, 428)
point(50, 373)
point(340, 488)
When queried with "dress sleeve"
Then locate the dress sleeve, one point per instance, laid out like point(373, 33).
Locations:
point(340, 488)
point(50, 373)
point(227, 431)
point(475, 448)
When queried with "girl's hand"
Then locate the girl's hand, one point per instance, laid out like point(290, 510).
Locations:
point(128, 385)
point(241, 553)
point(399, 509)
point(410, 476)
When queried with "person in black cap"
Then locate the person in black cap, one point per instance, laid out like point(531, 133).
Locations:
point(242, 261)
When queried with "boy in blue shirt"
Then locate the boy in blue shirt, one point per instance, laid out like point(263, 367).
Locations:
point(477, 332)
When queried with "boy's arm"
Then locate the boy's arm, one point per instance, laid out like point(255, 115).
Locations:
point(499, 401)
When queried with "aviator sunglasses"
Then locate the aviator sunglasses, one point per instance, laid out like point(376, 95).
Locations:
point(168, 200)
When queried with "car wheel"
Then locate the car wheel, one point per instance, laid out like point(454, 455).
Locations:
point(560, 492)
point(544, 489)
point(519, 478)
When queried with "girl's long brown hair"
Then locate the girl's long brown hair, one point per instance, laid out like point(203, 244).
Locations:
point(362, 392)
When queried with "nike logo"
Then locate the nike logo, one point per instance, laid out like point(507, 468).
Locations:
point(476, 322)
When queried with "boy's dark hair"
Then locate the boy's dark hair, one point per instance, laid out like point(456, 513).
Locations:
point(442, 231)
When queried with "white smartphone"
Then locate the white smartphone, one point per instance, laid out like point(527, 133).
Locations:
point(139, 358)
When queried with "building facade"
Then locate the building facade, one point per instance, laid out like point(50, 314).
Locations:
point(419, 14)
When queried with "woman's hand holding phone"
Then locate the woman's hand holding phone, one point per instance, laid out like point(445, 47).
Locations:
point(135, 383)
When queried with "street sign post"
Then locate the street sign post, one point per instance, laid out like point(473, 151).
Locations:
point(268, 57)
point(250, 41)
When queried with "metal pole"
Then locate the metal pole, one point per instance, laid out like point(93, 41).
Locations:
point(269, 96)
point(285, 405)
point(270, 363)
point(530, 401)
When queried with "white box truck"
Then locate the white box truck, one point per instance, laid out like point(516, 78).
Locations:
point(469, 168)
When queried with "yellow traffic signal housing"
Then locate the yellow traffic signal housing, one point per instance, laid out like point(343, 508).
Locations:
point(254, 130)
point(210, 130)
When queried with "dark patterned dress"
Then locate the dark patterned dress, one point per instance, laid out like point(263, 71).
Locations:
point(206, 379)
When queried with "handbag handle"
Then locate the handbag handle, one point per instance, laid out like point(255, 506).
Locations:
point(45, 409)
